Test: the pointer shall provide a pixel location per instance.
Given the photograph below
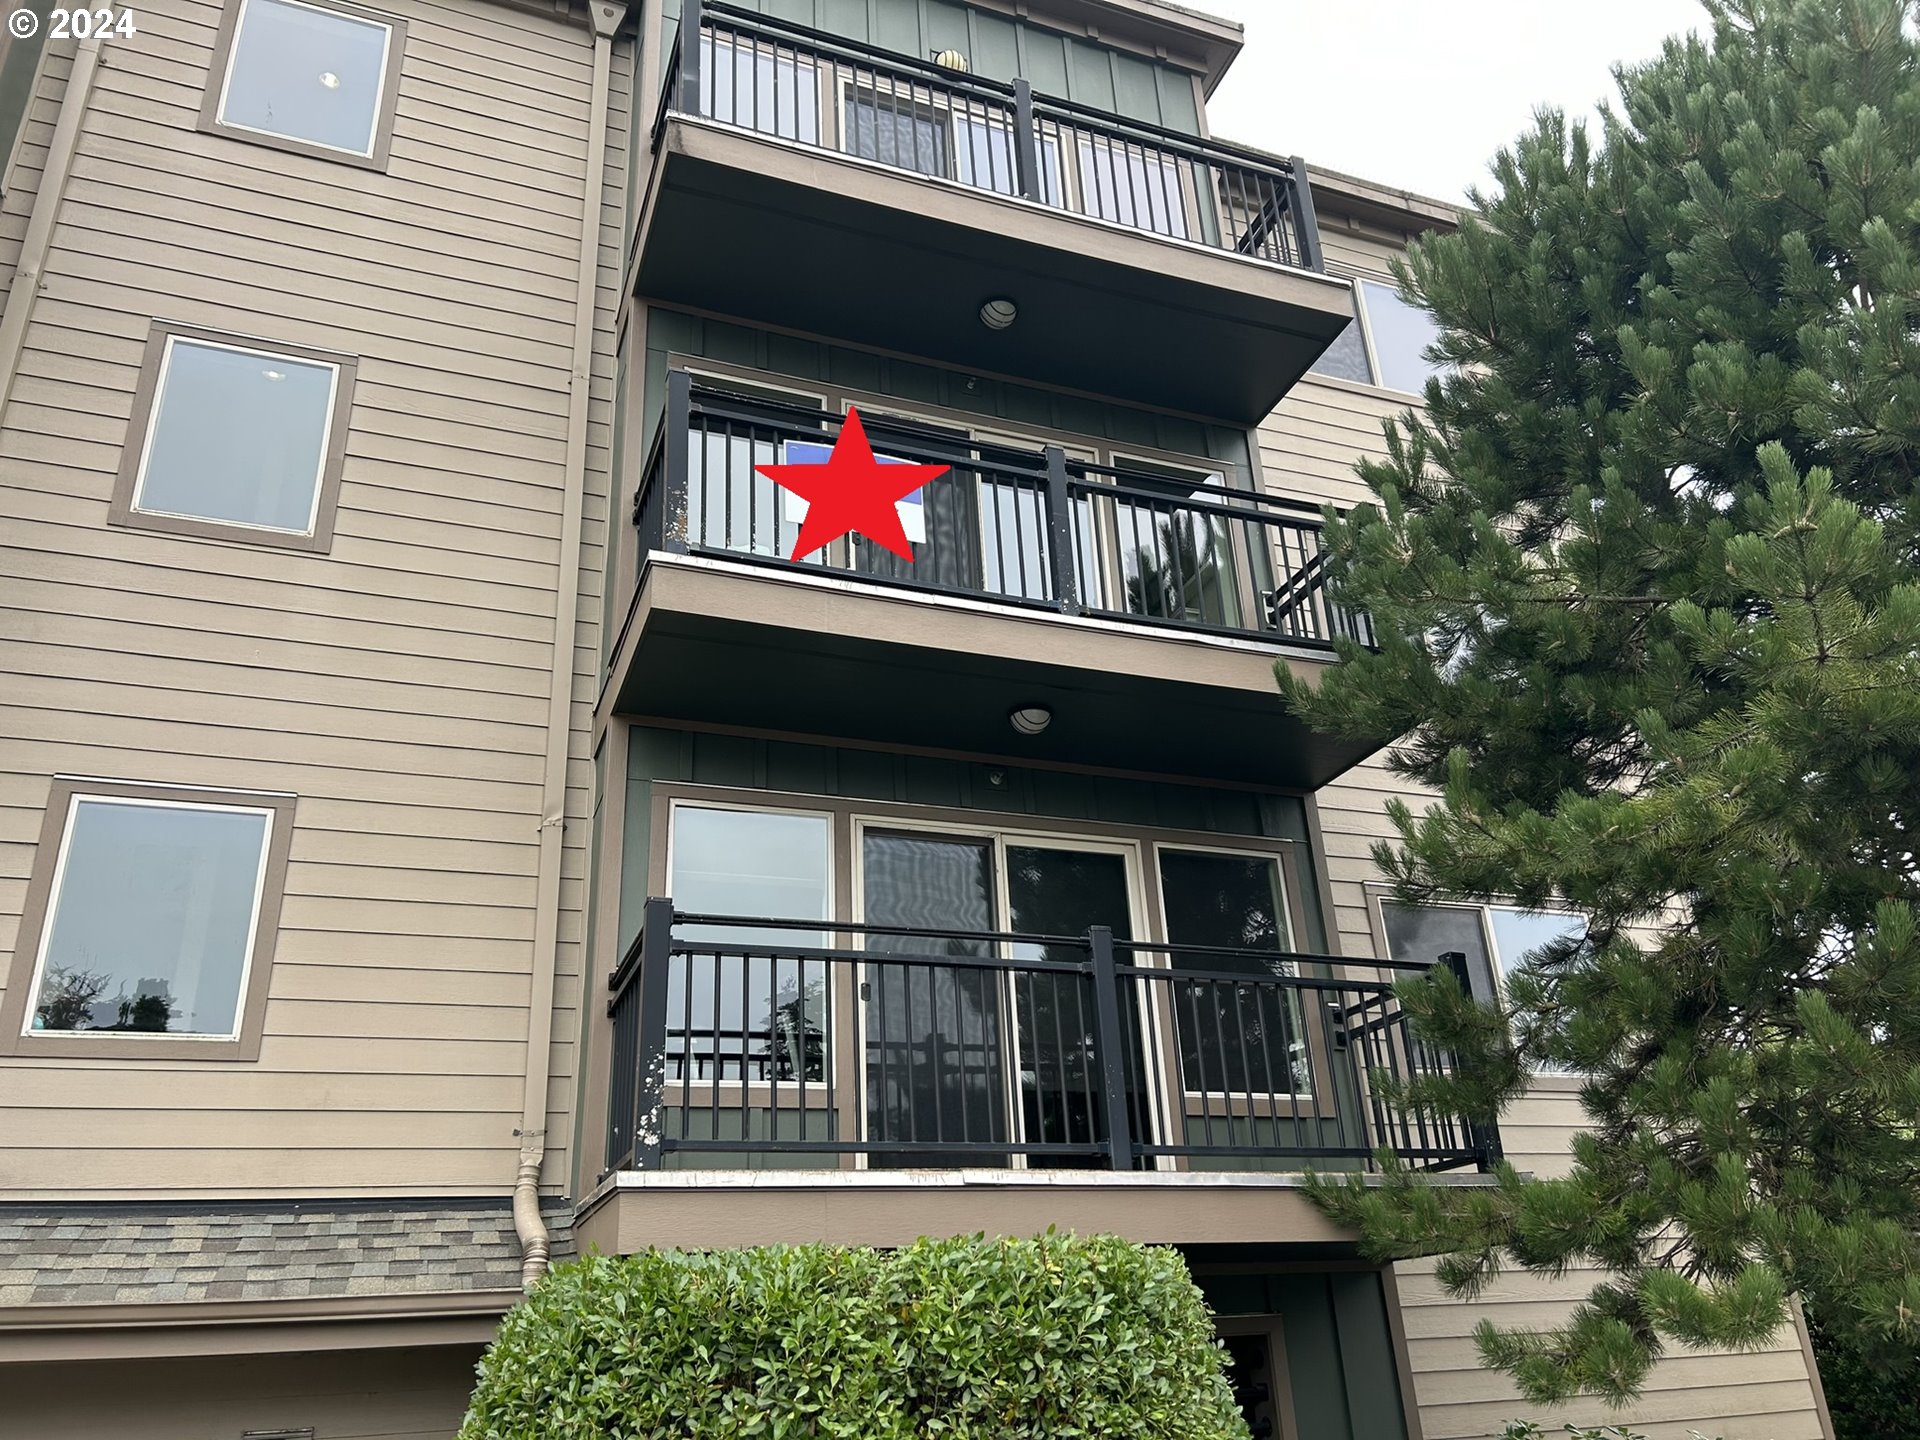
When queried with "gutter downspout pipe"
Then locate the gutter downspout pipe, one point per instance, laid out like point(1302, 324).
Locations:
point(535, 1244)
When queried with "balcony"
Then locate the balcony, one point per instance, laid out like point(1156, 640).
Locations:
point(1147, 614)
point(1143, 1077)
point(806, 181)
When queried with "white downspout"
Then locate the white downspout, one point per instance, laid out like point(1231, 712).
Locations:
point(535, 1245)
point(46, 207)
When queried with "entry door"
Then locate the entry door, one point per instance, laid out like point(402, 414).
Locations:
point(960, 1054)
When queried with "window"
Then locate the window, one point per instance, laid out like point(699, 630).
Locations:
point(318, 80)
point(761, 1018)
point(772, 91)
point(237, 441)
point(1494, 938)
point(1233, 1039)
point(150, 922)
point(1133, 185)
point(1385, 345)
point(1175, 562)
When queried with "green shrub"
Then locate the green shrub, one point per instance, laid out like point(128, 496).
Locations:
point(967, 1339)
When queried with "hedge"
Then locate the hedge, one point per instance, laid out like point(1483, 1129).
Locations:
point(967, 1339)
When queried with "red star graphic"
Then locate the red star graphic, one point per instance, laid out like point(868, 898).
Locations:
point(852, 492)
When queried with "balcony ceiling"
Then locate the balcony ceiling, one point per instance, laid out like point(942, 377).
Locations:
point(740, 224)
point(727, 644)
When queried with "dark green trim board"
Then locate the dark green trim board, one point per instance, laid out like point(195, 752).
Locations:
point(19, 64)
point(1340, 1351)
point(998, 47)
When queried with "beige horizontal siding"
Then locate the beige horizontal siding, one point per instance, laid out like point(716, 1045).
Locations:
point(398, 685)
point(1308, 449)
point(361, 1394)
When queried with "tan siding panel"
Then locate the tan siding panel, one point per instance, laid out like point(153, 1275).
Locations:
point(398, 684)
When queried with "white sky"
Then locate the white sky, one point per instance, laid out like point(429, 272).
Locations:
point(1419, 94)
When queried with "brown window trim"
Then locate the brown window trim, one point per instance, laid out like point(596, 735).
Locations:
point(210, 122)
point(146, 396)
point(26, 955)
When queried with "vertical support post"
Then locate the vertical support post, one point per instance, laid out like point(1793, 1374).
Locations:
point(1483, 1137)
point(1110, 1036)
point(1026, 140)
point(649, 1117)
point(1306, 225)
point(687, 98)
point(1060, 549)
point(675, 458)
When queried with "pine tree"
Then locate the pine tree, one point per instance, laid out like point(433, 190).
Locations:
point(1646, 576)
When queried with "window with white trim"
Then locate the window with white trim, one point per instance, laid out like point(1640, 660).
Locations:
point(153, 917)
point(236, 439)
point(1494, 938)
point(317, 77)
point(1385, 345)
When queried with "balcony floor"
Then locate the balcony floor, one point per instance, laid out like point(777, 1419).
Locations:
point(705, 1209)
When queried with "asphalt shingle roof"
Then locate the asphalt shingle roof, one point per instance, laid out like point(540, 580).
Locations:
point(77, 1254)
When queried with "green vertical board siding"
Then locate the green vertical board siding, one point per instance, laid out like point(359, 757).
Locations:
point(850, 18)
point(994, 46)
point(1043, 60)
point(620, 484)
point(999, 48)
point(896, 26)
point(1366, 1346)
point(997, 403)
point(590, 1010)
point(1090, 74)
point(1340, 1355)
point(1136, 93)
point(946, 28)
point(748, 763)
point(1178, 108)
point(1315, 1363)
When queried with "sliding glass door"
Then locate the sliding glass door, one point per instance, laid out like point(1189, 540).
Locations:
point(961, 1055)
point(936, 1047)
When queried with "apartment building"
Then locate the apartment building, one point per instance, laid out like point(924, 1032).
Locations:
point(441, 832)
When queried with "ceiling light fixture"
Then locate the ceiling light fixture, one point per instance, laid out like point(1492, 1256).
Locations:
point(999, 314)
point(1031, 719)
point(330, 80)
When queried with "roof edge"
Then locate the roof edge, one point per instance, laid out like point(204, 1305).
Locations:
point(1385, 204)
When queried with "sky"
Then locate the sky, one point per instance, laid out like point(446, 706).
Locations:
point(1419, 94)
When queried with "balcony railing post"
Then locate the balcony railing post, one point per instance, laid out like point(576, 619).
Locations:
point(675, 455)
point(1026, 140)
point(656, 949)
point(687, 97)
point(1483, 1138)
point(1066, 584)
point(1110, 1037)
point(1306, 226)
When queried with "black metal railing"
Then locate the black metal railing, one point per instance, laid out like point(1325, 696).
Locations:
point(736, 1039)
point(807, 87)
point(1018, 527)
